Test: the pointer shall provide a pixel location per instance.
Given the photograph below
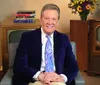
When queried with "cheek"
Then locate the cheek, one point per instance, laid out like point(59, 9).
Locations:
point(44, 22)
point(41, 21)
point(56, 23)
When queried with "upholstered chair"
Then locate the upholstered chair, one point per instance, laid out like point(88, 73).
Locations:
point(13, 41)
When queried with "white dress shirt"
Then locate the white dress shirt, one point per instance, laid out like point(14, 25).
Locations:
point(44, 40)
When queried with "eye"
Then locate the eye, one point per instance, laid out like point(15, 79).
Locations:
point(46, 18)
point(54, 19)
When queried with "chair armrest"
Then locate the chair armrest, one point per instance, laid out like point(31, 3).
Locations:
point(7, 79)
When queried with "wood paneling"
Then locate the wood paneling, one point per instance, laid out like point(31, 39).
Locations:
point(79, 34)
point(0, 48)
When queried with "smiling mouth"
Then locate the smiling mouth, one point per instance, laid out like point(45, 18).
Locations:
point(51, 26)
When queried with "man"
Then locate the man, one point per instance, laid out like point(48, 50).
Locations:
point(45, 56)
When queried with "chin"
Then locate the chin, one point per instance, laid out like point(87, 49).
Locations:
point(50, 32)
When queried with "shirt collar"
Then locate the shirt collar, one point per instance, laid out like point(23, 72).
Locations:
point(44, 34)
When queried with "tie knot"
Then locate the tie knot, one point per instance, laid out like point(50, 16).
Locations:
point(48, 36)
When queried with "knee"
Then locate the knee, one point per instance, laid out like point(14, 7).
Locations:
point(36, 83)
point(58, 83)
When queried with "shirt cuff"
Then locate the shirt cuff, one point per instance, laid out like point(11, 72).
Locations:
point(36, 75)
point(65, 77)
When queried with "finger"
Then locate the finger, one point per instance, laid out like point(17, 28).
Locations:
point(47, 79)
point(47, 82)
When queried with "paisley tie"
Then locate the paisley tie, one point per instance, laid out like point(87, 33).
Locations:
point(48, 56)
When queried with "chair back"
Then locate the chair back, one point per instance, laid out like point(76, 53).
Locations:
point(13, 41)
point(14, 38)
point(74, 48)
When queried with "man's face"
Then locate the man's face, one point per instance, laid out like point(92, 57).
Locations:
point(49, 21)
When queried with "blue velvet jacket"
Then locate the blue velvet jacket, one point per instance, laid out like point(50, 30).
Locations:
point(28, 57)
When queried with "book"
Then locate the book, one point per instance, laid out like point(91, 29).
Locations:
point(25, 15)
point(25, 18)
point(26, 12)
point(24, 21)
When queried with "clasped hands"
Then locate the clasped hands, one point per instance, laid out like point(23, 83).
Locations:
point(49, 77)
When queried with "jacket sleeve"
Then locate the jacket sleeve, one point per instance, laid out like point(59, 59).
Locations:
point(20, 67)
point(70, 63)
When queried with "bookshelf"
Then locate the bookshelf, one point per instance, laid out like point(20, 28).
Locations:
point(7, 25)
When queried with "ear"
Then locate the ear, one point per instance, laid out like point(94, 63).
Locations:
point(58, 23)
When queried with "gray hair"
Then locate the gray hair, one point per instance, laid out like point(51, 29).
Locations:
point(51, 7)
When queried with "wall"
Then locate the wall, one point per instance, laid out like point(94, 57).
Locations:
point(8, 7)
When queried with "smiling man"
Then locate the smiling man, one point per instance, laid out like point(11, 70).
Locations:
point(44, 56)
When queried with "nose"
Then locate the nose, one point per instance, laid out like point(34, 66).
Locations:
point(50, 21)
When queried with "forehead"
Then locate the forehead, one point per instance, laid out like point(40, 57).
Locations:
point(52, 13)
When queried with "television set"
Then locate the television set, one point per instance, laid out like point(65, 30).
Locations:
point(94, 46)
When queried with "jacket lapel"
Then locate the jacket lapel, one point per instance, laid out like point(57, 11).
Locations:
point(56, 50)
point(38, 46)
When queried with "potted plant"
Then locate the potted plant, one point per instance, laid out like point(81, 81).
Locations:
point(83, 7)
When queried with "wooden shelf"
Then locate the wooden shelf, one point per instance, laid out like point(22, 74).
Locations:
point(7, 25)
point(8, 22)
